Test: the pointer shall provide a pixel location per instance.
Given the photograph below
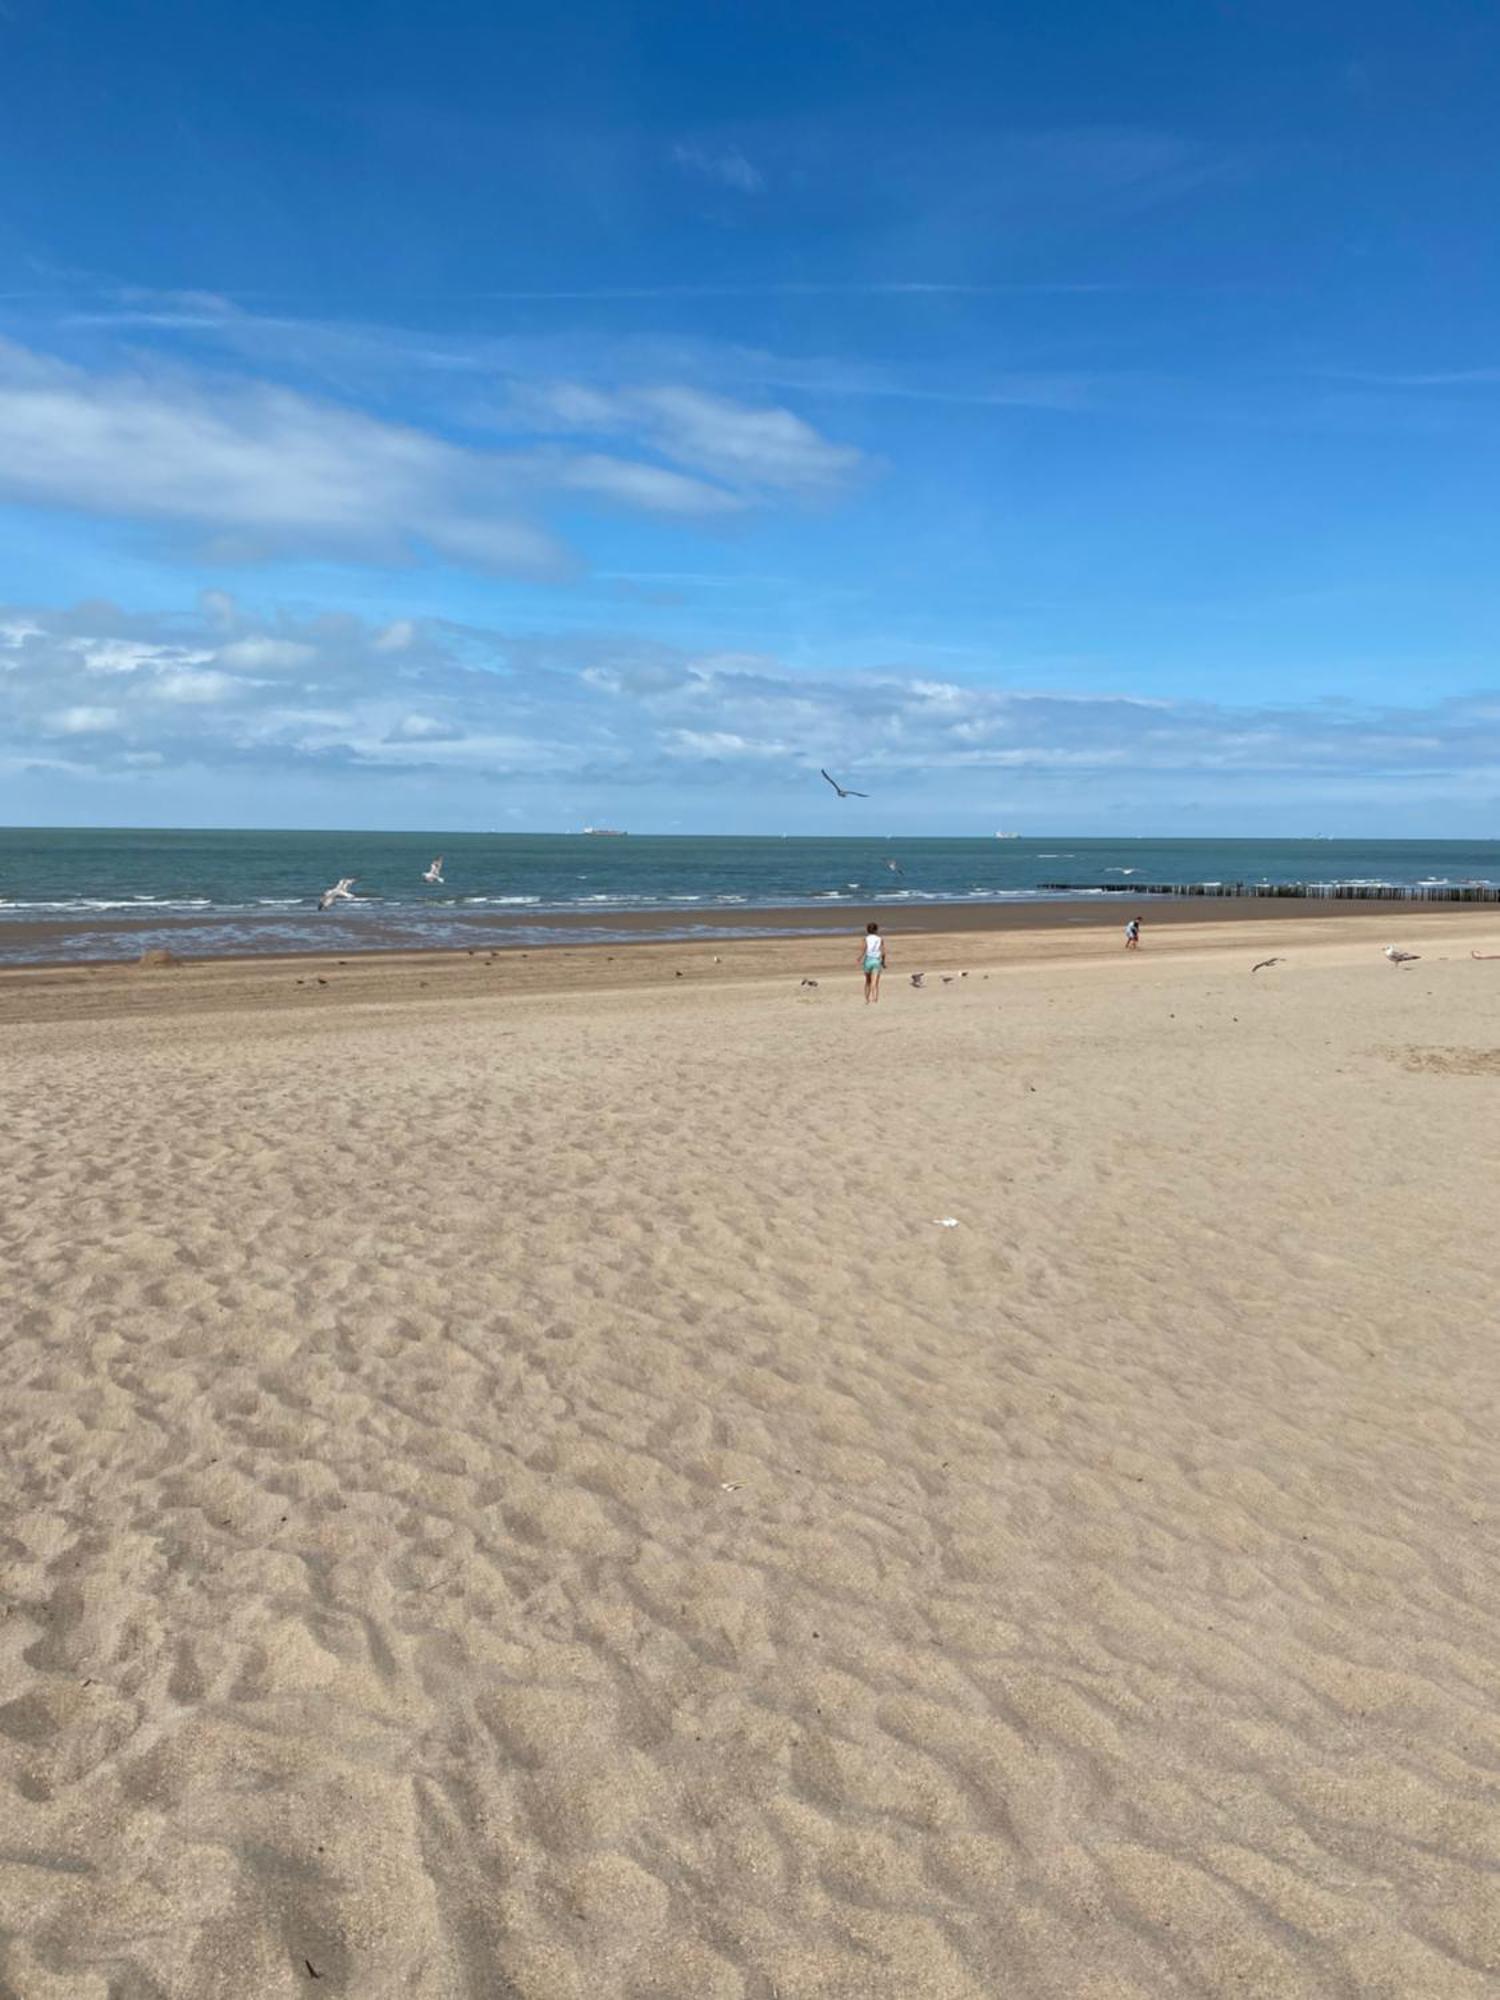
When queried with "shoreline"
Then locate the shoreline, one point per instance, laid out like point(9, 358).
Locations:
point(373, 981)
point(532, 930)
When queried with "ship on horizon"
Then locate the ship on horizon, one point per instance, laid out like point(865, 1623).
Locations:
point(609, 832)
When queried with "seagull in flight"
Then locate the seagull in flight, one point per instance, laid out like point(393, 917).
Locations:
point(1263, 963)
point(341, 892)
point(1401, 957)
point(842, 790)
point(434, 874)
point(894, 866)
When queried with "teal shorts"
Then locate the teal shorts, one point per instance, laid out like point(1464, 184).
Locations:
point(873, 965)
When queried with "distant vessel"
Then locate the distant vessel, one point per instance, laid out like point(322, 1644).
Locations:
point(609, 832)
point(1007, 836)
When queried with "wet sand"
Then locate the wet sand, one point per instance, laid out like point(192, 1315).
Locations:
point(119, 940)
point(989, 937)
point(507, 1487)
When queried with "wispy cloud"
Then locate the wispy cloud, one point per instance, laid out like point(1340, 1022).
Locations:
point(750, 449)
point(116, 310)
point(996, 388)
point(857, 288)
point(429, 369)
point(171, 311)
point(253, 468)
point(1437, 378)
point(726, 165)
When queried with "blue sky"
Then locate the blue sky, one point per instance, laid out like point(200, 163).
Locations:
point(1071, 418)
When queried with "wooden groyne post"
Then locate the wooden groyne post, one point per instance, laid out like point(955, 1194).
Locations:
point(1333, 892)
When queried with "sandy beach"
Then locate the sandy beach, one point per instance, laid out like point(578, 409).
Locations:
point(511, 1490)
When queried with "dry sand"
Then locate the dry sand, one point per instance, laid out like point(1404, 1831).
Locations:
point(509, 1491)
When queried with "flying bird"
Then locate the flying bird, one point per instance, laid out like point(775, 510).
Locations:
point(1263, 963)
point(341, 892)
point(917, 978)
point(842, 790)
point(1401, 957)
point(895, 867)
point(809, 982)
point(434, 874)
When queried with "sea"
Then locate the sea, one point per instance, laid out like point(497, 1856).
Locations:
point(95, 894)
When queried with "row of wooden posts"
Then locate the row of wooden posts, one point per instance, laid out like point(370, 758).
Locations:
point(1336, 892)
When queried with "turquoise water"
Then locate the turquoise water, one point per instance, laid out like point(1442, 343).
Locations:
point(96, 889)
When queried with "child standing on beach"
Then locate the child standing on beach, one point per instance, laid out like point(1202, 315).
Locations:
point(874, 962)
point(1132, 934)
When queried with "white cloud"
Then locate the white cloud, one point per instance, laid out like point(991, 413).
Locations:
point(514, 547)
point(218, 607)
point(124, 656)
point(718, 744)
point(490, 753)
point(759, 447)
point(193, 686)
point(261, 465)
point(267, 655)
point(654, 489)
point(725, 164)
point(750, 449)
point(199, 693)
point(250, 469)
point(85, 721)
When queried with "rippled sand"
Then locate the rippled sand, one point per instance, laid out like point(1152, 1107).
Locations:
point(512, 1493)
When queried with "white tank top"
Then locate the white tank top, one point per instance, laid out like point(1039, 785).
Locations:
point(873, 946)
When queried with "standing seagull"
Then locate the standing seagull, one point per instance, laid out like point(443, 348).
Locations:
point(842, 790)
point(1401, 957)
point(434, 874)
point(341, 892)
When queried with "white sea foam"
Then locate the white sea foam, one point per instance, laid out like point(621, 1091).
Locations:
point(97, 903)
